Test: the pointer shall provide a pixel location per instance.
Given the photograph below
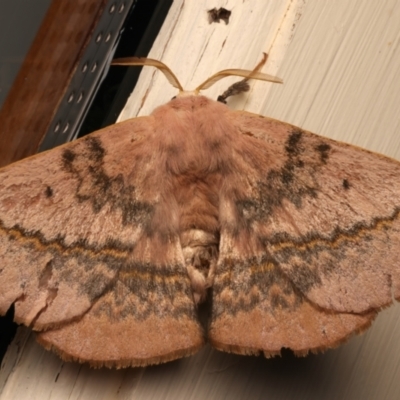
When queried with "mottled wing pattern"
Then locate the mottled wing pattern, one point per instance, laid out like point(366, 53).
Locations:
point(310, 240)
point(85, 258)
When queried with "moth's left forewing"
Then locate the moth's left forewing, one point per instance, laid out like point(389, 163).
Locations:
point(310, 247)
point(59, 205)
point(89, 254)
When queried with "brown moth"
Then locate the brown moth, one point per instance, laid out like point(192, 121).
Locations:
point(216, 15)
point(109, 243)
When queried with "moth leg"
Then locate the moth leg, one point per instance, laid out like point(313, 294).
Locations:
point(235, 89)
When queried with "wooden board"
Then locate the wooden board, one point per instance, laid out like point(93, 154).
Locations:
point(340, 62)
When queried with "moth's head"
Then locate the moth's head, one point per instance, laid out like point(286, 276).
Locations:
point(173, 80)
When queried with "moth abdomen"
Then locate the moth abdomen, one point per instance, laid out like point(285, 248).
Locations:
point(201, 250)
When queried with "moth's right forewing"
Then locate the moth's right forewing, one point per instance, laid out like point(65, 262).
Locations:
point(310, 240)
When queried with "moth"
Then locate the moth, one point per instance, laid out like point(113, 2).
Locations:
point(110, 244)
point(216, 15)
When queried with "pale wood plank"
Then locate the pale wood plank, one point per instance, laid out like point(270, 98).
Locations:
point(341, 65)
